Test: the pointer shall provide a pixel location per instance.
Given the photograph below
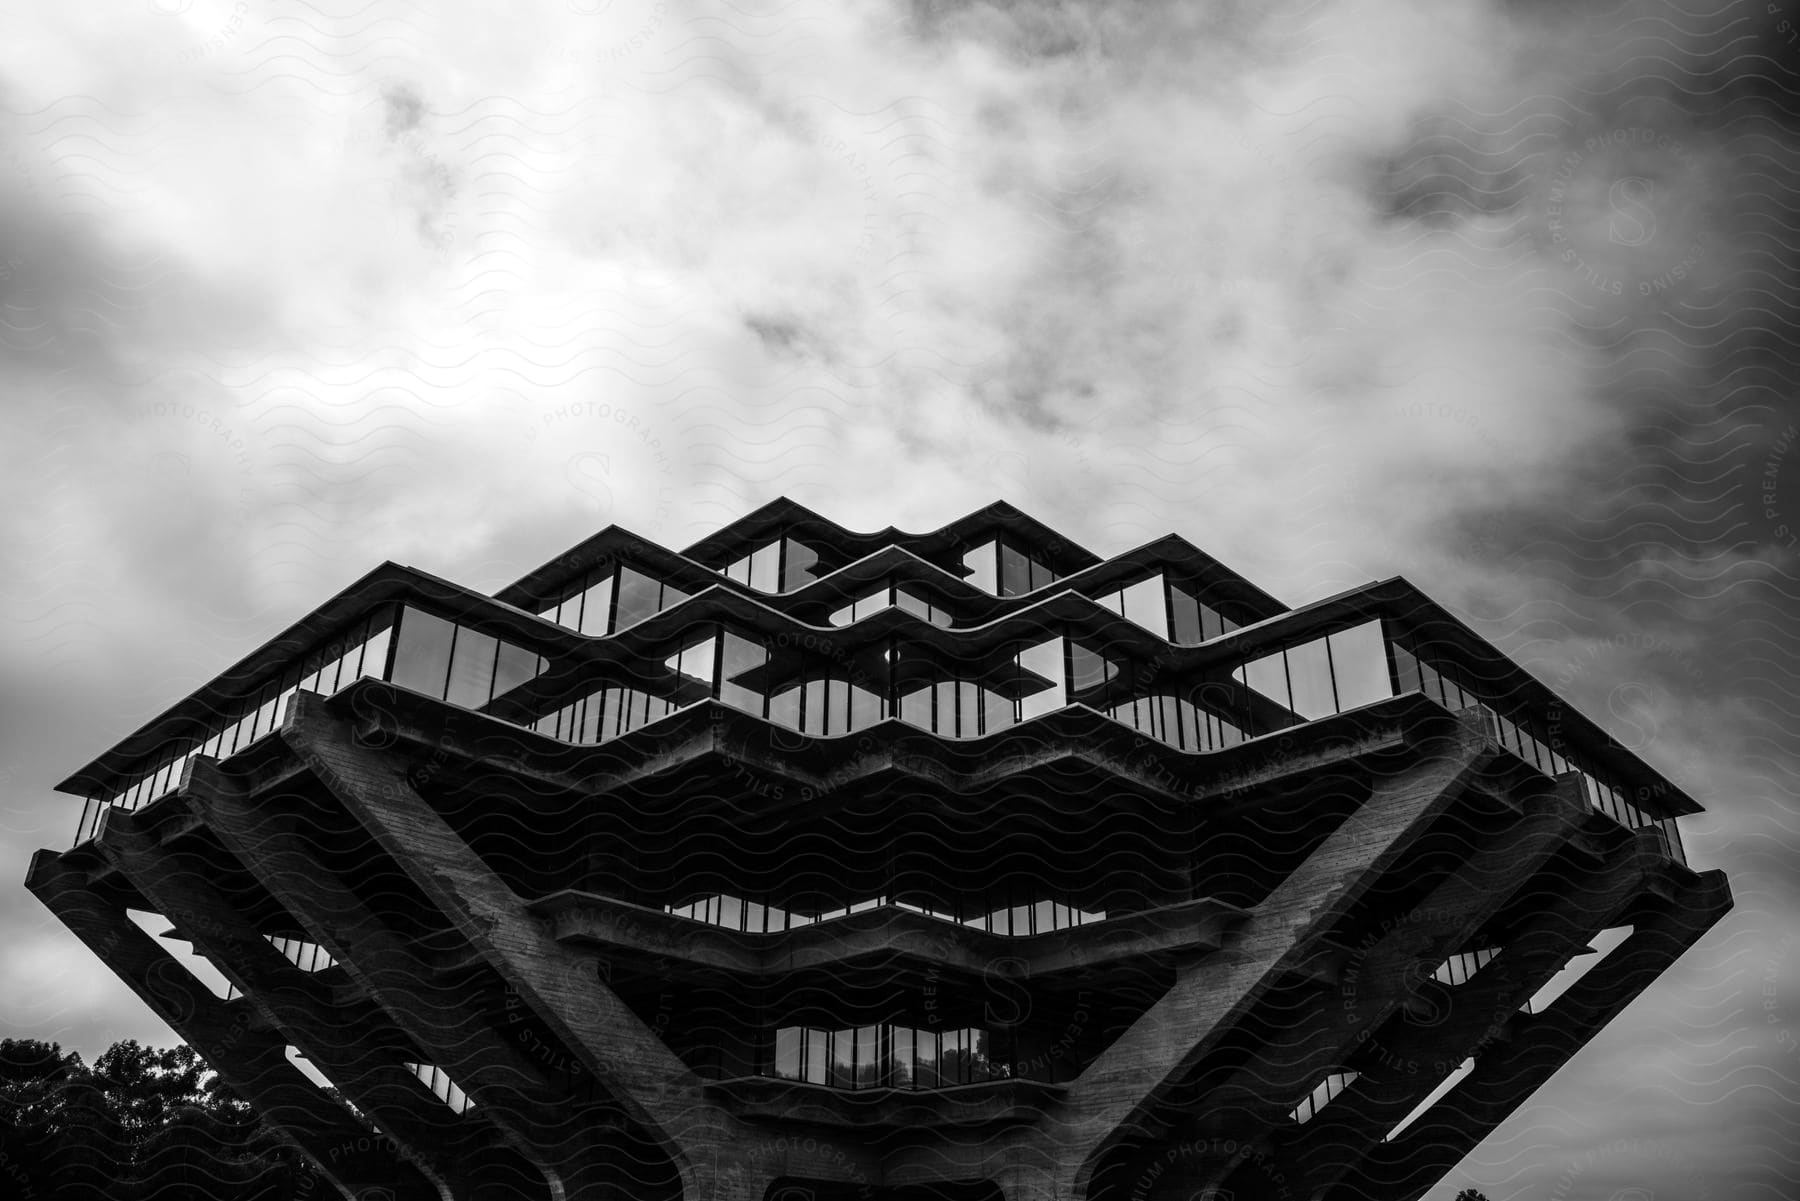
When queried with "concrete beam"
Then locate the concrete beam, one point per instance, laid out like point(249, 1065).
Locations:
point(1123, 1088)
point(561, 987)
point(1538, 1045)
point(253, 1063)
point(435, 1013)
point(689, 946)
point(341, 1041)
point(1413, 1057)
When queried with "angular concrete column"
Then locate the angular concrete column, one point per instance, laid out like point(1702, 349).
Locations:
point(560, 985)
point(410, 989)
point(1537, 1045)
point(1478, 1014)
point(252, 1062)
point(1254, 1104)
point(1121, 1088)
point(335, 1037)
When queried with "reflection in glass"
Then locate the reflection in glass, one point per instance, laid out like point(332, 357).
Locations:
point(471, 683)
point(740, 656)
point(1309, 680)
point(1088, 669)
point(797, 566)
point(1268, 676)
point(1015, 571)
point(1041, 680)
point(639, 596)
point(1359, 664)
point(422, 652)
point(515, 666)
point(983, 572)
point(1143, 603)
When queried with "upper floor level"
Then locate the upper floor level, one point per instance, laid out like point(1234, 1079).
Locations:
point(985, 624)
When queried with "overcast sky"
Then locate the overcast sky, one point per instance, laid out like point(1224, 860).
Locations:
point(1495, 296)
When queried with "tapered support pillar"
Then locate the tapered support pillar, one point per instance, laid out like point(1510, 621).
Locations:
point(562, 987)
point(253, 1062)
point(1119, 1091)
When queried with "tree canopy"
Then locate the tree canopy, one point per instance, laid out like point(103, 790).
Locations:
point(141, 1122)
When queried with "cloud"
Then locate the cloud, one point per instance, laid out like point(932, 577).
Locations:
point(1327, 287)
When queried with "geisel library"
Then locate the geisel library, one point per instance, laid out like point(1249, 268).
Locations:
point(815, 864)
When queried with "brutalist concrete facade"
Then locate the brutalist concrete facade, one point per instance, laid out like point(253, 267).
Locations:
point(808, 863)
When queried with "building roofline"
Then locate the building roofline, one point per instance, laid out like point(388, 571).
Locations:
point(1447, 635)
point(785, 516)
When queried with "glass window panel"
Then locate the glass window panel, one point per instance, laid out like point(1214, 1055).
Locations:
point(1015, 572)
point(271, 713)
point(837, 706)
point(639, 596)
point(798, 569)
point(953, 1057)
point(695, 660)
point(731, 912)
point(1430, 683)
point(968, 709)
point(784, 707)
point(817, 1052)
point(586, 719)
point(812, 706)
point(1087, 669)
point(741, 656)
point(472, 669)
point(903, 1057)
point(1309, 679)
point(1144, 605)
point(1406, 669)
point(911, 604)
point(996, 711)
point(843, 1059)
point(591, 608)
point(981, 565)
point(1041, 576)
point(1268, 676)
point(865, 707)
point(943, 719)
point(375, 652)
point(764, 561)
point(335, 674)
point(422, 653)
point(869, 1067)
point(1184, 618)
point(1112, 600)
point(515, 666)
point(1359, 665)
point(915, 706)
point(1211, 626)
point(925, 1056)
point(1043, 662)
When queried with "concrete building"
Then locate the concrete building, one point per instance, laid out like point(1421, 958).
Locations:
point(810, 863)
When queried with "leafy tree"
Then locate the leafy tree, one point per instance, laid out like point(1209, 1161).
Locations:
point(1470, 1194)
point(142, 1123)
